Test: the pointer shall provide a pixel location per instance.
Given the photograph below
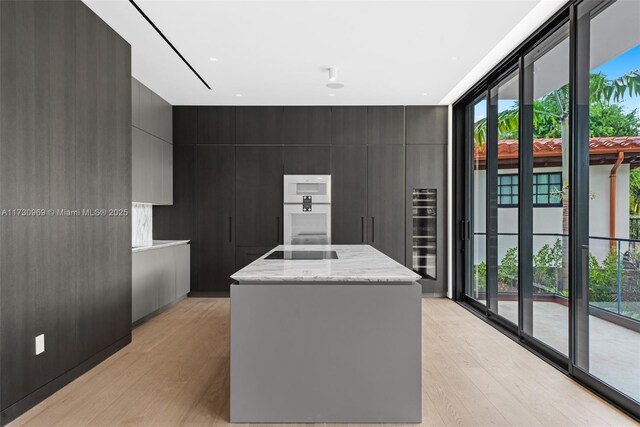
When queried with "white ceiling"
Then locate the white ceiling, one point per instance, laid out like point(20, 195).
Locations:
point(277, 52)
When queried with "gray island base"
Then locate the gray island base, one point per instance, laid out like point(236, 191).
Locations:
point(323, 341)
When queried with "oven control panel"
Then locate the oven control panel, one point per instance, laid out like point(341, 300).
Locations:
point(306, 203)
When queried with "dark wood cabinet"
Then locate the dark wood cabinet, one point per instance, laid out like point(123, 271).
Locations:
point(185, 125)
point(426, 169)
point(349, 194)
point(259, 196)
point(37, 170)
point(259, 125)
point(307, 125)
point(348, 125)
point(103, 181)
point(385, 194)
point(427, 125)
point(214, 240)
point(216, 125)
point(385, 125)
point(306, 160)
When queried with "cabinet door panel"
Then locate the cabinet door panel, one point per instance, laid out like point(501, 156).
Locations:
point(426, 169)
point(167, 173)
point(216, 125)
point(307, 160)
point(141, 168)
point(386, 199)
point(183, 255)
point(427, 124)
point(348, 125)
point(307, 125)
point(156, 165)
point(259, 196)
point(135, 102)
point(103, 180)
point(215, 176)
point(185, 125)
point(146, 109)
point(259, 125)
point(348, 194)
point(385, 125)
point(144, 294)
point(37, 169)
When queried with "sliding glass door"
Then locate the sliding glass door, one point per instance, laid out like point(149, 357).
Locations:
point(608, 141)
point(477, 141)
point(546, 138)
point(549, 224)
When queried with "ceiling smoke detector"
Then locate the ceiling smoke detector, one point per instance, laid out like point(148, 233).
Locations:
point(333, 79)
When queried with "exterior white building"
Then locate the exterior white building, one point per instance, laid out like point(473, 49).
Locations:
point(547, 216)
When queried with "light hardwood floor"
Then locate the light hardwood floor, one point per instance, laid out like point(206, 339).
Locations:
point(176, 372)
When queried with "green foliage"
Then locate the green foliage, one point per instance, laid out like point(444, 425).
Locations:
point(603, 278)
point(480, 277)
point(508, 268)
point(634, 191)
point(606, 119)
point(546, 262)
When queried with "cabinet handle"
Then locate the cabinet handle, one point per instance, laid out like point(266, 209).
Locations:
point(277, 229)
point(373, 229)
point(362, 229)
point(230, 228)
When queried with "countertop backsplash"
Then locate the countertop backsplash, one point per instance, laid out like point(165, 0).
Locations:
point(142, 224)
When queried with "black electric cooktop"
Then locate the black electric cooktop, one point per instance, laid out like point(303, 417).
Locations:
point(302, 255)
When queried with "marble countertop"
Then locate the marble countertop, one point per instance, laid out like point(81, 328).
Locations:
point(157, 244)
point(355, 263)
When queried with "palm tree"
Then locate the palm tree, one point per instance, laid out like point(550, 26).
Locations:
point(551, 119)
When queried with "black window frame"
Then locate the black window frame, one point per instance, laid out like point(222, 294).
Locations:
point(536, 192)
point(578, 29)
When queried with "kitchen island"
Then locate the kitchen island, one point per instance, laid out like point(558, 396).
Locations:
point(325, 334)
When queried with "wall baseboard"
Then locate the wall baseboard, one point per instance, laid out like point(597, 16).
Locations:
point(23, 405)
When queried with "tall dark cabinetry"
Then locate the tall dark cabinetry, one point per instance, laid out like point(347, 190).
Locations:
point(213, 243)
point(259, 195)
point(349, 194)
point(372, 153)
point(385, 191)
point(65, 143)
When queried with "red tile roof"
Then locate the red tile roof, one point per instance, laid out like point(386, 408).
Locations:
point(552, 147)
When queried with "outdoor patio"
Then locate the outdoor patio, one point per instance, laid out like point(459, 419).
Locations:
point(614, 351)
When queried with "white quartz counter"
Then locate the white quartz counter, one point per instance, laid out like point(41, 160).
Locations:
point(157, 244)
point(355, 263)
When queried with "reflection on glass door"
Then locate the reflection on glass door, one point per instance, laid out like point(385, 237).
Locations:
point(609, 346)
point(546, 105)
point(477, 138)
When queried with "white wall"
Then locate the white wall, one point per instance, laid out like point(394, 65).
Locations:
point(549, 220)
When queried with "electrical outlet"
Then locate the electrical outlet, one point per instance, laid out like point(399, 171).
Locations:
point(40, 344)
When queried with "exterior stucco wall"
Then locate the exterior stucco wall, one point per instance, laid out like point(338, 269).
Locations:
point(549, 220)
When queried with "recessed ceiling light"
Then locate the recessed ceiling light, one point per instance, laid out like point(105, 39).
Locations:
point(332, 94)
point(424, 93)
point(212, 59)
point(454, 58)
point(238, 94)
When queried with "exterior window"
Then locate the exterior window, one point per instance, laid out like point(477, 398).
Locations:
point(547, 189)
point(508, 190)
